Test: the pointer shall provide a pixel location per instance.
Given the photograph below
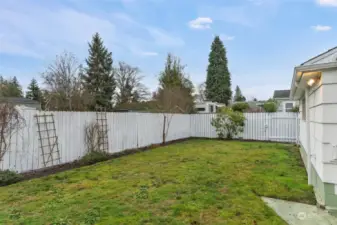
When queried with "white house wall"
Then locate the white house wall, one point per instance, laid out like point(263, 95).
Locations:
point(323, 126)
point(282, 106)
point(329, 105)
point(316, 130)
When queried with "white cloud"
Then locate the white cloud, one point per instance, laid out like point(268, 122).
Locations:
point(225, 37)
point(13, 45)
point(40, 31)
point(332, 3)
point(247, 13)
point(162, 38)
point(149, 53)
point(201, 23)
point(321, 28)
point(158, 36)
point(33, 30)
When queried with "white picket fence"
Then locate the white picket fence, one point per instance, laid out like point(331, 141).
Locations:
point(134, 130)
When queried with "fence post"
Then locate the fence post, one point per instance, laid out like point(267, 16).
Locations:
point(297, 129)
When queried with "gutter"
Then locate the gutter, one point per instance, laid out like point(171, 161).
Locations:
point(292, 93)
point(308, 68)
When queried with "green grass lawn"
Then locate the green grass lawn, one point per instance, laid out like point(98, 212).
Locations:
point(193, 182)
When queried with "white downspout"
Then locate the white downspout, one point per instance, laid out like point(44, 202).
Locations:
point(308, 134)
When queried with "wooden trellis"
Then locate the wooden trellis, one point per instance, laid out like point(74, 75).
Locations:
point(48, 139)
point(102, 122)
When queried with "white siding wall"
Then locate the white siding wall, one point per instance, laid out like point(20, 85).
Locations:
point(329, 121)
point(134, 130)
point(323, 125)
point(282, 105)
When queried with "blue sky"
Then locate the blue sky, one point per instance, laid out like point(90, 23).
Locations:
point(264, 39)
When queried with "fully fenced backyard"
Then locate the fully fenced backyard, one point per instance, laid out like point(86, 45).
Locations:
point(193, 182)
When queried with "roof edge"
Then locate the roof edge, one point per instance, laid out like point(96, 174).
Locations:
point(331, 49)
point(308, 68)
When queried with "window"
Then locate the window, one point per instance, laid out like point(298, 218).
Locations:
point(289, 107)
point(201, 109)
point(211, 108)
point(304, 109)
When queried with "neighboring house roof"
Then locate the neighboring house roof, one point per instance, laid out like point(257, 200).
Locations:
point(281, 94)
point(18, 101)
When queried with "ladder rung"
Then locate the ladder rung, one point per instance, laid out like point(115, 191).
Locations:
point(47, 138)
point(53, 145)
point(46, 130)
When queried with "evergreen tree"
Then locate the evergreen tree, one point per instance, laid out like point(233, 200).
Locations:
point(10, 88)
point(238, 97)
point(218, 82)
point(174, 75)
point(15, 88)
point(33, 92)
point(98, 76)
point(176, 89)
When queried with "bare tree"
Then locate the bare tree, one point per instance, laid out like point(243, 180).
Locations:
point(10, 122)
point(201, 92)
point(92, 137)
point(169, 102)
point(175, 92)
point(129, 84)
point(63, 85)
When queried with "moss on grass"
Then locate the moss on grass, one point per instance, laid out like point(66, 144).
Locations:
point(194, 182)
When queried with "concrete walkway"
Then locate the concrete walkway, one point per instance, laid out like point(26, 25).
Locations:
point(300, 214)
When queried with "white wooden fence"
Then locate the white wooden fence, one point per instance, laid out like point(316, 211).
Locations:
point(278, 127)
point(134, 130)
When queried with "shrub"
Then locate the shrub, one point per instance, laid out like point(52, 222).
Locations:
point(93, 139)
point(270, 107)
point(228, 123)
point(240, 107)
point(93, 157)
point(8, 177)
point(296, 109)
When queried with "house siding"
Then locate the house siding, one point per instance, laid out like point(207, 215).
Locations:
point(323, 136)
point(282, 105)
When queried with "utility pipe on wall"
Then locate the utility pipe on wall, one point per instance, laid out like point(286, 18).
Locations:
point(307, 113)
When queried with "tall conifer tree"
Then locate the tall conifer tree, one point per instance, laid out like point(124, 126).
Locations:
point(98, 76)
point(218, 82)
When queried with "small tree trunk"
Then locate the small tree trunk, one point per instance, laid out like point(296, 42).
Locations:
point(164, 130)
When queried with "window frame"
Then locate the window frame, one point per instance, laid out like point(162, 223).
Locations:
point(288, 109)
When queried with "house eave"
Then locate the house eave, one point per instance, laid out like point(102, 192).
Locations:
point(298, 74)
